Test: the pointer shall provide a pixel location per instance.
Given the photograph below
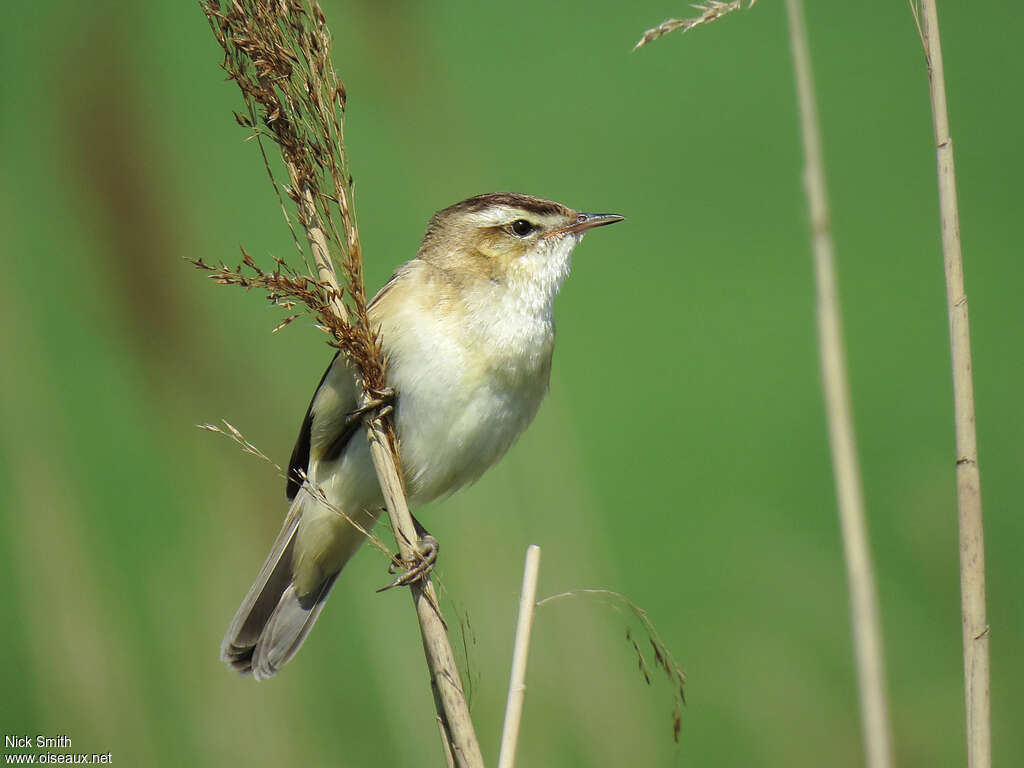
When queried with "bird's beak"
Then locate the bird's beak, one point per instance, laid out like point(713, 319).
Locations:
point(585, 221)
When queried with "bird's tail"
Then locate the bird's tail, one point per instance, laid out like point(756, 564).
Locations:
point(273, 620)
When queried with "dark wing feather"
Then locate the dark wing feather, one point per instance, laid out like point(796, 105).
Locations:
point(299, 463)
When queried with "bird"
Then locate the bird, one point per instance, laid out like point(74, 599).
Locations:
point(467, 332)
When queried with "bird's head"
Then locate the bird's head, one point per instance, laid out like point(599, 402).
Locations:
point(508, 238)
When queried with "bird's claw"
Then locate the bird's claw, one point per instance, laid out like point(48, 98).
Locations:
point(382, 403)
point(425, 558)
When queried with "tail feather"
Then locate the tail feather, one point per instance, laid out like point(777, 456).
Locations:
point(286, 629)
point(259, 604)
point(273, 620)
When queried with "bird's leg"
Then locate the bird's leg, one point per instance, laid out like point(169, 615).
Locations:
point(425, 552)
point(383, 401)
point(425, 548)
point(381, 404)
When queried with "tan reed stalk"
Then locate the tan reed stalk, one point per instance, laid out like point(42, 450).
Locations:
point(278, 53)
point(867, 634)
point(968, 481)
point(521, 649)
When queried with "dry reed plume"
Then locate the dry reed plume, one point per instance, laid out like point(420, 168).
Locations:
point(278, 53)
point(660, 653)
point(231, 432)
point(710, 11)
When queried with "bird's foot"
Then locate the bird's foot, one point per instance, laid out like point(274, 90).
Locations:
point(381, 404)
point(424, 558)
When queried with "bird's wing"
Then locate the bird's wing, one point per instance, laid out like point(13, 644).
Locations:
point(328, 425)
point(299, 463)
point(326, 428)
point(386, 288)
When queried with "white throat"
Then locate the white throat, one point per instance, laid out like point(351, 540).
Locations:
point(524, 327)
point(535, 278)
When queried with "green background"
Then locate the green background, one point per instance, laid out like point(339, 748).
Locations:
point(680, 458)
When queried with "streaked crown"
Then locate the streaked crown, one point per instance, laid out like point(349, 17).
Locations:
point(488, 234)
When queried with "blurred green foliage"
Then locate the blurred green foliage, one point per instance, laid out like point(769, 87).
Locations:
point(681, 456)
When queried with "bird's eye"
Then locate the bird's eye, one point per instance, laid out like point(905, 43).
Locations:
point(521, 227)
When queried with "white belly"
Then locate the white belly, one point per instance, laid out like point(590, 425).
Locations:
point(469, 378)
point(461, 406)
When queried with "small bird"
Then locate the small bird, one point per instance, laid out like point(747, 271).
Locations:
point(467, 330)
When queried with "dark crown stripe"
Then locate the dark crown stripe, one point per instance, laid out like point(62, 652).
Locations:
point(525, 202)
